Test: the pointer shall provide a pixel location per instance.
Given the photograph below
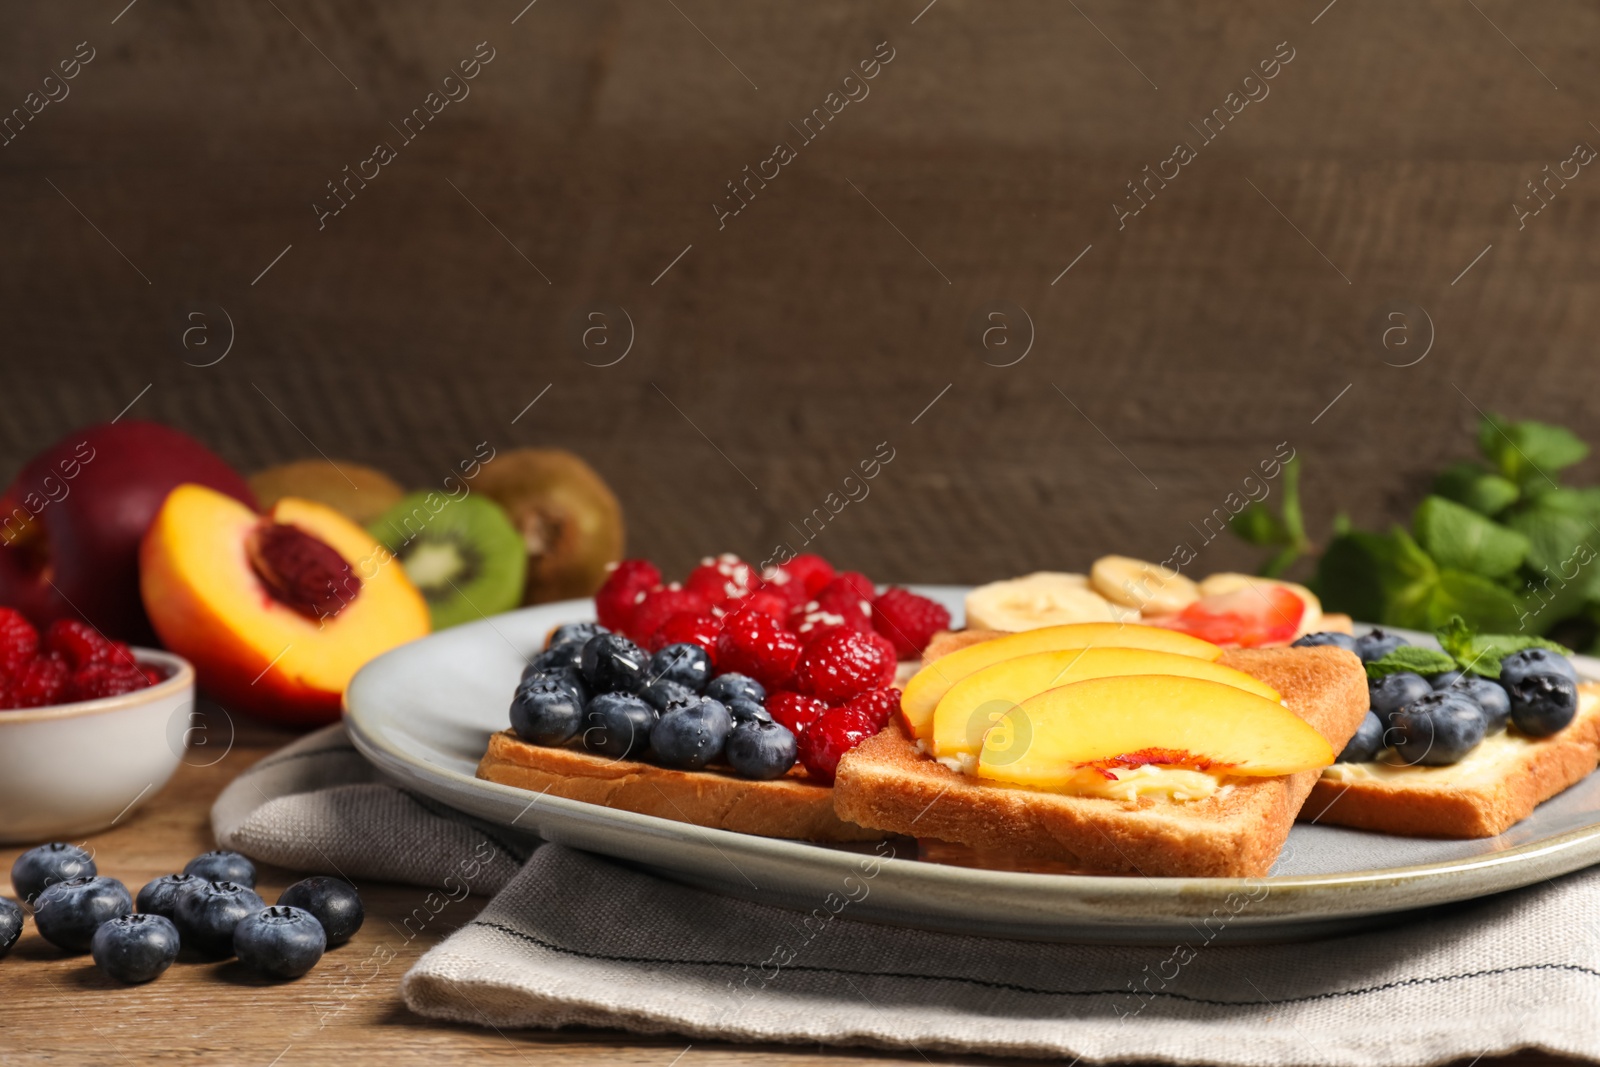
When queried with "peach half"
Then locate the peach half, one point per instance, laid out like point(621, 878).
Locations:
point(276, 612)
point(929, 685)
point(1164, 720)
point(976, 702)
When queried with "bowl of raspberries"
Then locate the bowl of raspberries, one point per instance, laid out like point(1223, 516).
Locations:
point(89, 727)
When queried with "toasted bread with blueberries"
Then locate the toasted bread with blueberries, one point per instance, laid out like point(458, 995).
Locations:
point(1496, 786)
point(793, 806)
point(1237, 831)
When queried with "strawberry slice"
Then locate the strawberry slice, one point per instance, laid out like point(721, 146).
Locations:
point(1245, 618)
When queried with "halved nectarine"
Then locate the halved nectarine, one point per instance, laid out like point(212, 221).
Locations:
point(976, 702)
point(276, 612)
point(1150, 719)
point(929, 685)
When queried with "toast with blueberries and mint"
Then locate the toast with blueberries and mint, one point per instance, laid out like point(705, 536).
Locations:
point(1460, 743)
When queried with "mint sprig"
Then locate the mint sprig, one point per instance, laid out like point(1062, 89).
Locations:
point(1417, 660)
point(1482, 653)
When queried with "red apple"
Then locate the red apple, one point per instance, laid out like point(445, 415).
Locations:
point(70, 524)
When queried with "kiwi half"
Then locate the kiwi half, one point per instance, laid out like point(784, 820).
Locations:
point(359, 493)
point(463, 555)
point(568, 518)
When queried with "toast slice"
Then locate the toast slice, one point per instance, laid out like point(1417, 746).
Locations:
point(1238, 831)
point(792, 806)
point(1496, 786)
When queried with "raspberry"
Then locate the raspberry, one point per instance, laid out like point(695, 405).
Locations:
point(658, 606)
point(829, 738)
point(77, 642)
point(756, 644)
point(809, 619)
point(852, 580)
point(152, 675)
point(767, 600)
point(721, 580)
point(840, 597)
point(877, 707)
point(794, 711)
point(624, 587)
point(19, 641)
point(38, 682)
point(687, 628)
point(840, 663)
point(107, 679)
point(908, 620)
point(801, 578)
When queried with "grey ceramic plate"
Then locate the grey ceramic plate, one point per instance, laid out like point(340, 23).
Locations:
point(424, 712)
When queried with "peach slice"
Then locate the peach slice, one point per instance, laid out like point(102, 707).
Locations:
point(277, 613)
point(976, 702)
point(1107, 723)
point(929, 685)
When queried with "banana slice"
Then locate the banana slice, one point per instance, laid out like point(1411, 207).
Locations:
point(1228, 582)
point(1134, 583)
point(1041, 599)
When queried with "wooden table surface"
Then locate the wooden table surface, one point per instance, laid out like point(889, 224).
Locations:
point(59, 1007)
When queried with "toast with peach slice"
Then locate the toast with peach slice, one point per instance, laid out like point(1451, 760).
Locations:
point(1232, 827)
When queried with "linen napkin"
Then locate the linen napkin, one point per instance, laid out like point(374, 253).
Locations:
point(571, 938)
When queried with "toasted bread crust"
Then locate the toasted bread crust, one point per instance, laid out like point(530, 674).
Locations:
point(1423, 808)
point(791, 806)
point(1237, 832)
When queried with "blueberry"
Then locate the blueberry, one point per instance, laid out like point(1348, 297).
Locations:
point(691, 736)
point(221, 865)
point(160, 897)
point(545, 711)
point(686, 664)
point(1377, 644)
point(1436, 730)
point(575, 633)
point(1491, 698)
point(135, 947)
point(1393, 691)
point(282, 941)
point(569, 677)
point(613, 664)
point(618, 725)
point(747, 711)
point(1367, 742)
point(1530, 661)
point(206, 916)
point(1326, 637)
point(757, 749)
point(730, 687)
point(1446, 679)
point(56, 862)
point(67, 913)
point(664, 692)
point(569, 657)
point(333, 902)
point(1542, 704)
point(10, 924)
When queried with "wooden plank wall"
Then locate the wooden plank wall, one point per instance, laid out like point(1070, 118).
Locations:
point(580, 172)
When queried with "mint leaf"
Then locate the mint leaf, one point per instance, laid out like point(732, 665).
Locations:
point(1485, 651)
point(1364, 574)
point(1458, 537)
point(1257, 525)
point(1561, 539)
point(1454, 636)
point(1528, 452)
point(1482, 491)
point(1482, 653)
point(1423, 661)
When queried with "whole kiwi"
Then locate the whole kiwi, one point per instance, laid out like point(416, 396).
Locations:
point(567, 515)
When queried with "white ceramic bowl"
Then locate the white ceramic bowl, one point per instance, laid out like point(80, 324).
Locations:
point(71, 769)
